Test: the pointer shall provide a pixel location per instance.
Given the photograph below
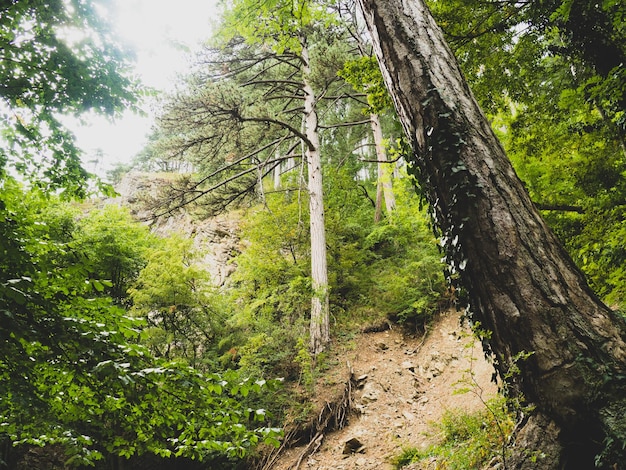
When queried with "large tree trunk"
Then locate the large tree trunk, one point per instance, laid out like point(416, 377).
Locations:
point(320, 318)
point(518, 282)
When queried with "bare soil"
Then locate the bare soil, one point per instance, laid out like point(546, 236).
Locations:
point(406, 383)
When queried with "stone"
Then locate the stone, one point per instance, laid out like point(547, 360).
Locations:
point(360, 380)
point(353, 446)
point(371, 392)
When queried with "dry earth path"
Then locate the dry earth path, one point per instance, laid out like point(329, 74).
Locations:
point(406, 382)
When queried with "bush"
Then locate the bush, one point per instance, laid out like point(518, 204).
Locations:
point(468, 440)
point(406, 268)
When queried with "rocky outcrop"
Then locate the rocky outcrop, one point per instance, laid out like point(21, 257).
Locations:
point(216, 238)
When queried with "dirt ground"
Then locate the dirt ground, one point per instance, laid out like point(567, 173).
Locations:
point(406, 383)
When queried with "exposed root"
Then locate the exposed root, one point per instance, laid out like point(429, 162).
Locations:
point(332, 417)
point(310, 449)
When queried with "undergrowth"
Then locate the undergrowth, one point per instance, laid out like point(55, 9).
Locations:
point(468, 440)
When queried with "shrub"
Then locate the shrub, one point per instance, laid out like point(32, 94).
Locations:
point(468, 440)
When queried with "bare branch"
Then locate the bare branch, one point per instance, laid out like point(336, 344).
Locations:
point(345, 124)
point(380, 161)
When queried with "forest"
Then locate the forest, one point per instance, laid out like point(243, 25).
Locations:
point(377, 161)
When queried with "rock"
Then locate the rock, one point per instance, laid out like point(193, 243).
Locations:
point(360, 380)
point(382, 346)
point(217, 237)
point(371, 392)
point(353, 446)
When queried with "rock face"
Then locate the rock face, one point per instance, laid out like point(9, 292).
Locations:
point(216, 238)
point(220, 240)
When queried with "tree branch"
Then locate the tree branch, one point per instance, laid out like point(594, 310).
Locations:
point(559, 207)
point(345, 124)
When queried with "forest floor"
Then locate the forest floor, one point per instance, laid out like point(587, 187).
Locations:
point(405, 383)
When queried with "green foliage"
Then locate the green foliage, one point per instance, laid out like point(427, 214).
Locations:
point(72, 371)
point(278, 24)
point(549, 75)
point(272, 270)
point(113, 247)
point(467, 440)
point(569, 158)
point(57, 57)
point(271, 287)
point(173, 294)
point(364, 75)
point(166, 409)
point(599, 250)
point(407, 264)
point(411, 294)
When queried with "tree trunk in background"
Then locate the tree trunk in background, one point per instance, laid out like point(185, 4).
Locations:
point(516, 278)
point(320, 316)
point(384, 186)
point(277, 173)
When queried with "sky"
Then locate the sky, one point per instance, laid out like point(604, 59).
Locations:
point(152, 28)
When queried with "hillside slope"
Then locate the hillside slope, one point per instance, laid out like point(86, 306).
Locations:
point(405, 383)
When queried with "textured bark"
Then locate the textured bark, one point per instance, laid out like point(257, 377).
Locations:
point(517, 280)
point(384, 186)
point(320, 320)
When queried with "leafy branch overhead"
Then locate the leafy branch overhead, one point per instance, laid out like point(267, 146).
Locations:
point(57, 57)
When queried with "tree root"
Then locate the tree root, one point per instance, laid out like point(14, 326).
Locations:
point(535, 444)
point(332, 417)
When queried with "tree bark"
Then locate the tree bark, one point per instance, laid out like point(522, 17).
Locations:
point(384, 185)
point(518, 283)
point(277, 173)
point(320, 316)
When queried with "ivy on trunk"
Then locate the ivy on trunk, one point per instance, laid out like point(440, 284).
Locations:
point(517, 281)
